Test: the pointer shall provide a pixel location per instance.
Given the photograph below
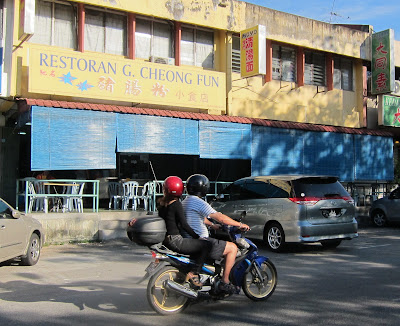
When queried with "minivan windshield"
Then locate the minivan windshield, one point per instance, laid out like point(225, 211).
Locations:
point(319, 187)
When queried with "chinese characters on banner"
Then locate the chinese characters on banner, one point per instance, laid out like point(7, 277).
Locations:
point(389, 108)
point(53, 71)
point(253, 51)
point(382, 65)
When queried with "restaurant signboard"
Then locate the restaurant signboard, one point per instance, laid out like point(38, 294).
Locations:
point(382, 65)
point(253, 51)
point(389, 111)
point(98, 76)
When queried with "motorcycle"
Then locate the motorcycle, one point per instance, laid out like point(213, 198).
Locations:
point(169, 291)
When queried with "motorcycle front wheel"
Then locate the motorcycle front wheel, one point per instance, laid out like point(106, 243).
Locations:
point(261, 288)
point(162, 301)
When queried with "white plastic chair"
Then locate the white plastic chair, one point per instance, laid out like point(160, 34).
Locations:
point(115, 194)
point(148, 194)
point(74, 201)
point(130, 189)
point(40, 201)
point(77, 200)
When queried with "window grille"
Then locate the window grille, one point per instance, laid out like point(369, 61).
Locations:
point(314, 69)
point(197, 47)
point(55, 24)
point(236, 54)
point(343, 74)
point(283, 63)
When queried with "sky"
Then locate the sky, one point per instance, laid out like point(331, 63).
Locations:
point(380, 14)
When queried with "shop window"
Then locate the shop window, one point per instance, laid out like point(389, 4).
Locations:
point(197, 47)
point(105, 32)
point(314, 69)
point(153, 39)
point(343, 74)
point(236, 54)
point(55, 24)
point(283, 63)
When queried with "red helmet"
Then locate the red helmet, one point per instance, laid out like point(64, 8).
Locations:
point(174, 186)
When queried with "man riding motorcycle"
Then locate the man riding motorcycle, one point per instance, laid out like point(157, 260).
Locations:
point(198, 214)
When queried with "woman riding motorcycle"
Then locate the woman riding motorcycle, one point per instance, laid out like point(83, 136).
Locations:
point(170, 209)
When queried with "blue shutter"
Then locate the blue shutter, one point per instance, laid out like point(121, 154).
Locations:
point(152, 134)
point(225, 140)
point(65, 139)
point(277, 151)
point(373, 158)
point(327, 153)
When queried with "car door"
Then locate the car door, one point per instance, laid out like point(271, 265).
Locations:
point(245, 197)
point(227, 202)
point(393, 205)
point(12, 233)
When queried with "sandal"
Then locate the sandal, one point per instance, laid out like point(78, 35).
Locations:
point(194, 279)
point(228, 288)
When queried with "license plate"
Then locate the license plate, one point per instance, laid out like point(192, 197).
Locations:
point(152, 266)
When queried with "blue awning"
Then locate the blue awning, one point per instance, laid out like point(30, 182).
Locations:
point(65, 139)
point(158, 135)
point(225, 140)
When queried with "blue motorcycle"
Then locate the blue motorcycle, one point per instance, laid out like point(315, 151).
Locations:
point(169, 291)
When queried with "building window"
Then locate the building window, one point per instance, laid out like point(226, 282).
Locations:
point(55, 24)
point(314, 69)
point(105, 32)
point(236, 53)
point(283, 63)
point(153, 39)
point(343, 74)
point(197, 47)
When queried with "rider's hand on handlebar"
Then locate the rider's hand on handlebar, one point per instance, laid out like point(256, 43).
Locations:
point(215, 226)
point(244, 227)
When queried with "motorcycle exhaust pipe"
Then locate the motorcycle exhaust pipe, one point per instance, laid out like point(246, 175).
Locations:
point(180, 289)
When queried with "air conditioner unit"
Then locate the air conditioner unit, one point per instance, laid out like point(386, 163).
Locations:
point(396, 88)
point(162, 60)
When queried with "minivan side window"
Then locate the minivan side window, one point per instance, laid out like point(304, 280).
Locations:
point(233, 191)
point(274, 191)
point(254, 190)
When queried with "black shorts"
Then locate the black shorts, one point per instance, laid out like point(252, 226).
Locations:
point(218, 248)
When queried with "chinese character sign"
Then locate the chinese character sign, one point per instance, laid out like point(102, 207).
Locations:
point(382, 65)
point(389, 109)
point(253, 51)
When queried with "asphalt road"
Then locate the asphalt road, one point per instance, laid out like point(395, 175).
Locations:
point(95, 284)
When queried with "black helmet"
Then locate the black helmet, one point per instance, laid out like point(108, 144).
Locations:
point(197, 185)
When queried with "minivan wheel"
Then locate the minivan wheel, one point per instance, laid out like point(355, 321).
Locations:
point(378, 218)
point(275, 237)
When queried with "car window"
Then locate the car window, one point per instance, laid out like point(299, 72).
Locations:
point(319, 187)
point(254, 190)
point(395, 194)
point(5, 210)
point(278, 189)
point(233, 191)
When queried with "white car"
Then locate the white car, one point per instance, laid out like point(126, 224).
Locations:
point(386, 209)
point(21, 236)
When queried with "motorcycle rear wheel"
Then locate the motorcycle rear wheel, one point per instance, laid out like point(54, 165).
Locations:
point(162, 301)
point(255, 288)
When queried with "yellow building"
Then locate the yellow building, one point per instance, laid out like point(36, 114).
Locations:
point(111, 85)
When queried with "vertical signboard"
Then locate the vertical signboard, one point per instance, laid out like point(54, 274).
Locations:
point(26, 19)
point(382, 65)
point(253, 51)
point(389, 111)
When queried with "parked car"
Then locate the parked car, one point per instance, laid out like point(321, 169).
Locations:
point(21, 236)
point(282, 209)
point(386, 209)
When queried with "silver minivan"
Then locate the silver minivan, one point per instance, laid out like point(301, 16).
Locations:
point(291, 208)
